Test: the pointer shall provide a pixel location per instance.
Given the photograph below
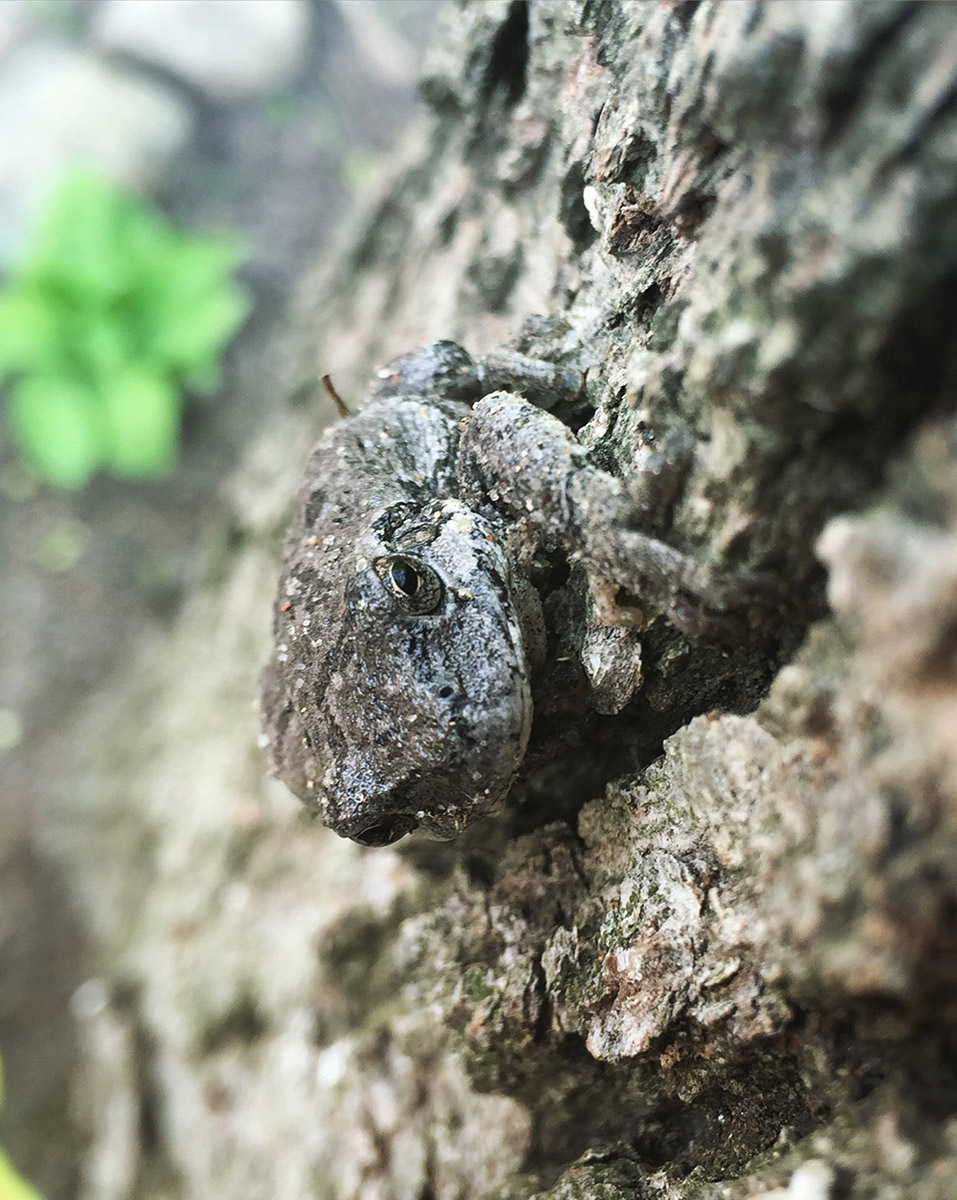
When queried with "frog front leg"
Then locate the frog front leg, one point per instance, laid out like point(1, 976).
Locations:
point(526, 464)
point(445, 370)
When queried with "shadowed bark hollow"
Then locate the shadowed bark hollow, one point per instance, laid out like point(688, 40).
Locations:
point(710, 949)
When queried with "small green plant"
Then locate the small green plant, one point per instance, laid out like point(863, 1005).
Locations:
point(12, 1185)
point(110, 317)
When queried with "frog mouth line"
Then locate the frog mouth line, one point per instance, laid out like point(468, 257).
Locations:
point(384, 833)
point(436, 825)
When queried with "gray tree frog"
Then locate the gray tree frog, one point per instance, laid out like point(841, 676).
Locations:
point(407, 627)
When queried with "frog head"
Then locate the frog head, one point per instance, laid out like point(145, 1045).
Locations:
point(412, 710)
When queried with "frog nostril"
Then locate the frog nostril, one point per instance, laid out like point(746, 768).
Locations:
point(446, 691)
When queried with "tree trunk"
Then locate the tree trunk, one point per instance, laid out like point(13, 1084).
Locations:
point(710, 950)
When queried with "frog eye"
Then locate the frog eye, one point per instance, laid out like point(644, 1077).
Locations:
point(413, 586)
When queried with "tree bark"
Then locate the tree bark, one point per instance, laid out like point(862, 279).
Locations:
point(710, 950)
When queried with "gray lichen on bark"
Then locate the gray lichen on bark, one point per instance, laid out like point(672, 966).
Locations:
point(731, 962)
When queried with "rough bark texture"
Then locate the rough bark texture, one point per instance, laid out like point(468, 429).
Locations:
point(729, 973)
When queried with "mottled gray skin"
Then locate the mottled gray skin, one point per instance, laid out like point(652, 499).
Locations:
point(398, 695)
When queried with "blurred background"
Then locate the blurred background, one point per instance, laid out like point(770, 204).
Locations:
point(244, 131)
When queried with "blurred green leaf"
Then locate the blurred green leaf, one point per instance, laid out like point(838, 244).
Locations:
point(78, 246)
point(30, 331)
point(141, 424)
point(191, 304)
point(57, 425)
point(102, 346)
point(192, 335)
point(112, 313)
point(12, 1185)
